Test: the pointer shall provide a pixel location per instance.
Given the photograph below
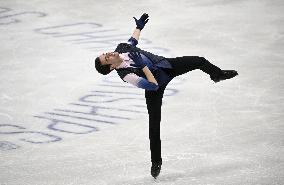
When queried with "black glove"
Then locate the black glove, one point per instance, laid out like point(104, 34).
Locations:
point(142, 21)
point(136, 57)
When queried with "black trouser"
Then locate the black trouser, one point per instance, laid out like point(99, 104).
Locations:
point(180, 66)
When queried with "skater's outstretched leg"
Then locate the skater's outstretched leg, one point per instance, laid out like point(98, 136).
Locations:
point(185, 64)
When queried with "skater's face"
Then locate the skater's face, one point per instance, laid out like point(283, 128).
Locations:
point(111, 58)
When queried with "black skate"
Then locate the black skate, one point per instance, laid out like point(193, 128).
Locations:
point(226, 74)
point(156, 168)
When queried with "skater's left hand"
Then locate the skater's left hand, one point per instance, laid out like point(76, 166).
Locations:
point(140, 23)
point(136, 57)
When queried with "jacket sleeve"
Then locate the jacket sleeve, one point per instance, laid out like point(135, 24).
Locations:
point(140, 82)
point(132, 41)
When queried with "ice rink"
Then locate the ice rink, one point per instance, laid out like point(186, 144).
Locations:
point(61, 123)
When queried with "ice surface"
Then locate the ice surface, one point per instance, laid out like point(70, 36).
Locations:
point(61, 123)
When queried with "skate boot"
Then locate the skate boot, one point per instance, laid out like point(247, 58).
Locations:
point(227, 74)
point(156, 168)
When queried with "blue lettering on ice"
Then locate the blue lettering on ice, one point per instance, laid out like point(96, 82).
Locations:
point(19, 130)
point(94, 37)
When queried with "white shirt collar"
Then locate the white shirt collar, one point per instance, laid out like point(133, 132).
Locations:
point(126, 61)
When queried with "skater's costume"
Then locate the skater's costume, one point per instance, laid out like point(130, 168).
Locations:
point(132, 69)
point(164, 70)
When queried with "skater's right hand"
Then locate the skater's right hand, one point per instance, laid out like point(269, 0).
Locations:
point(140, 23)
point(136, 57)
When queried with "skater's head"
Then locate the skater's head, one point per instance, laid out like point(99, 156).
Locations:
point(106, 62)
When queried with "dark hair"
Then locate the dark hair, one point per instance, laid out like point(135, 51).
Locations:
point(103, 69)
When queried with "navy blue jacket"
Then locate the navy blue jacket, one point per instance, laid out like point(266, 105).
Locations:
point(159, 62)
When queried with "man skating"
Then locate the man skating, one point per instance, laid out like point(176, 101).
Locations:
point(152, 73)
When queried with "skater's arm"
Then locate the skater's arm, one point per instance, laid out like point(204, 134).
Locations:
point(135, 37)
point(140, 23)
point(150, 77)
point(140, 82)
point(133, 41)
point(140, 63)
point(136, 34)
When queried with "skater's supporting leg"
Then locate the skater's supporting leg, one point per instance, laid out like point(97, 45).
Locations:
point(154, 103)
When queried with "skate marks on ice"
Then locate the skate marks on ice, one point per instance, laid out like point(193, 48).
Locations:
point(6, 145)
point(12, 17)
point(165, 177)
point(169, 175)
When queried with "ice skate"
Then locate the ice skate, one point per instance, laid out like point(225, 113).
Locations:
point(227, 74)
point(156, 168)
